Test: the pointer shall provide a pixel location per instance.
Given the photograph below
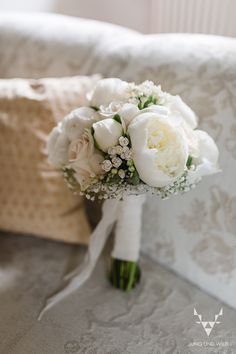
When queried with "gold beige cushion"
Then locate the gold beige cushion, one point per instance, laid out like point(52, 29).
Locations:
point(34, 198)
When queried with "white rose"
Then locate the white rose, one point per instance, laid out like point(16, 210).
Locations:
point(110, 110)
point(107, 91)
point(75, 123)
point(107, 133)
point(207, 161)
point(175, 103)
point(159, 146)
point(85, 159)
point(57, 147)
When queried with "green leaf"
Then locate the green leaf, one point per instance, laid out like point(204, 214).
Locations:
point(96, 145)
point(117, 118)
point(140, 105)
point(154, 100)
point(135, 180)
point(94, 140)
point(141, 101)
point(147, 103)
point(189, 161)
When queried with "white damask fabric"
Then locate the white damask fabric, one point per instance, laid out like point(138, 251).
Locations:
point(42, 45)
point(157, 317)
point(194, 235)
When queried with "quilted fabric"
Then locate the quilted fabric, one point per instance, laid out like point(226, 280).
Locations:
point(33, 196)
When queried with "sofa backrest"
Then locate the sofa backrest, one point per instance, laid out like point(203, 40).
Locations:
point(40, 45)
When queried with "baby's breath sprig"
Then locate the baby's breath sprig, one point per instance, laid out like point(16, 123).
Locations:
point(107, 190)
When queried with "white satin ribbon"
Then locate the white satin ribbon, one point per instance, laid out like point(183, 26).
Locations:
point(129, 228)
point(97, 242)
point(127, 242)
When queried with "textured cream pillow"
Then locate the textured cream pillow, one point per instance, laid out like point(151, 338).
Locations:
point(33, 196)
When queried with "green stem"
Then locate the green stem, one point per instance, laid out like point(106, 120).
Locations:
point(124, 274)
point(131, 276)
point(121, 275)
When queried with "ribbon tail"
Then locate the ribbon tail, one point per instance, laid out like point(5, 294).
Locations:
point(98, 239)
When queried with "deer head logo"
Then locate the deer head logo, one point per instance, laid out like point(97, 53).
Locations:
point(208, 325)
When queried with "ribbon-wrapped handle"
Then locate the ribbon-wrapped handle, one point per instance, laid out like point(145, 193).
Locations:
point(129, 228)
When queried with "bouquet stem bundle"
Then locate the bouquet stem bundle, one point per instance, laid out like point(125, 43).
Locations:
point(124, 275)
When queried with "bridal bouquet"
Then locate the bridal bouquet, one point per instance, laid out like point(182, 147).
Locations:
point(130, 141)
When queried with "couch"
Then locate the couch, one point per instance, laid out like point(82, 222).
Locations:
point(191, 238)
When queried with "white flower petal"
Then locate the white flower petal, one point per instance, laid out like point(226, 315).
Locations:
point(128, 112)
point(75, 123)
point(157, 109)
point(85, 159)
point(175, 103)
point(57, 147)
point(109, 90)
point(207, 161)
point(107, 133)
point(207, 146)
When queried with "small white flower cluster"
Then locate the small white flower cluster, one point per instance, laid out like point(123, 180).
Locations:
point(118, 162)
point(146, 94)
point(131, 139)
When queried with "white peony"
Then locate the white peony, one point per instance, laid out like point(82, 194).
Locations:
point(85, 159)
point(57, 147)
point(77, 121)
point(107, 133)
point(206, 163)
point(175, 103)
point(107, 91)
point(159, 146)
point(189, 133)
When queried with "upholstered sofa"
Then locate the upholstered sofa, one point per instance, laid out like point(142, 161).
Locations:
point(194, 235)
